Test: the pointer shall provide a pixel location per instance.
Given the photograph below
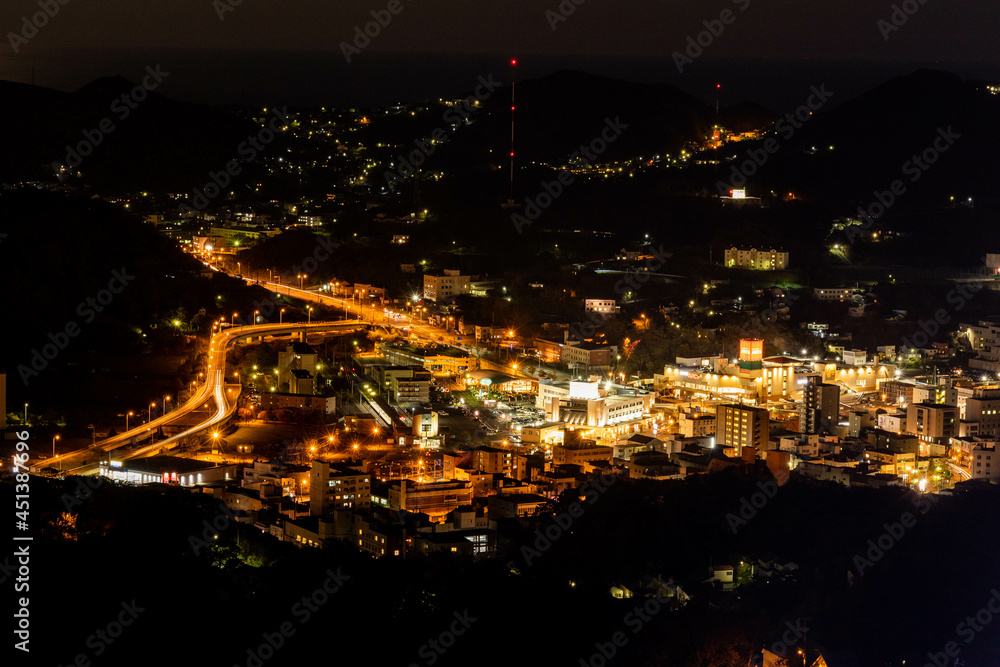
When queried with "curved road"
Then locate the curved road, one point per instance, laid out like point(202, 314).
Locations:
point(214, 390)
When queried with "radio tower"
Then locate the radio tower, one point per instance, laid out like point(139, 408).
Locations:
point(513, 80)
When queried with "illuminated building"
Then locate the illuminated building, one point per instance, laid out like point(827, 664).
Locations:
point(819, 411)
point(515, 505)
point(297, 357)
point(598, 413)
point(985, 464)
point(751, 354)
point(166, 470)
point(581, 452)
point(445, 285)
point(932, 422)
point(588, 355)
point(752, 258)
point(828, 294)
point(741, 426)
point(337, 487)
point(984, 407)
point(500, 461)
point(600, 306)
point(449, 360)
point(435, 499)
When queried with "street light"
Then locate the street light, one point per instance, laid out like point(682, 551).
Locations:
point(165, 399)
point(232, 320)
point(149, 412)
point(127, 415)
point(281, 316)
point(25, 414)
point(309, 310)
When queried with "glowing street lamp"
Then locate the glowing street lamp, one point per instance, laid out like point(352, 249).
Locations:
point(149, 412)
point(281, 316)
point(127, 415)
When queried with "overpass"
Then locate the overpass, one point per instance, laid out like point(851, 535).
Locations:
point(215, 390)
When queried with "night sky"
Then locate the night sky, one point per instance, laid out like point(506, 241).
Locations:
point(952, 31)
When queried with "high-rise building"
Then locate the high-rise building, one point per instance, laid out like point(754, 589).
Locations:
point(819, 411)
point(984, 407)
point(742, 426)
point(932, 421)
point(337, 487)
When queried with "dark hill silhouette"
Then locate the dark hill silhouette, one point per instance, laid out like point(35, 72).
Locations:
point(558, 113)
point(162, 143)
point(876, 133)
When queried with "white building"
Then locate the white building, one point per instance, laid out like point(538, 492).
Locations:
point(604, 306)
point(752, 258)
point(826, 294)
point(450, 283)
point(892, 422)
point(855, 357)
point(985, 464)
point(984, 338)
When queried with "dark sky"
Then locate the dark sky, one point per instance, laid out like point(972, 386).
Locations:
point(945, 30)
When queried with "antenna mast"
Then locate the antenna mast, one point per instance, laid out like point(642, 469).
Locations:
point(513, 81)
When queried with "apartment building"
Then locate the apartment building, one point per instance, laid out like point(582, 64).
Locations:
point(751, 258)
point(445, 285)
point(742, 426)
point(932, 421)
point(337, 487)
